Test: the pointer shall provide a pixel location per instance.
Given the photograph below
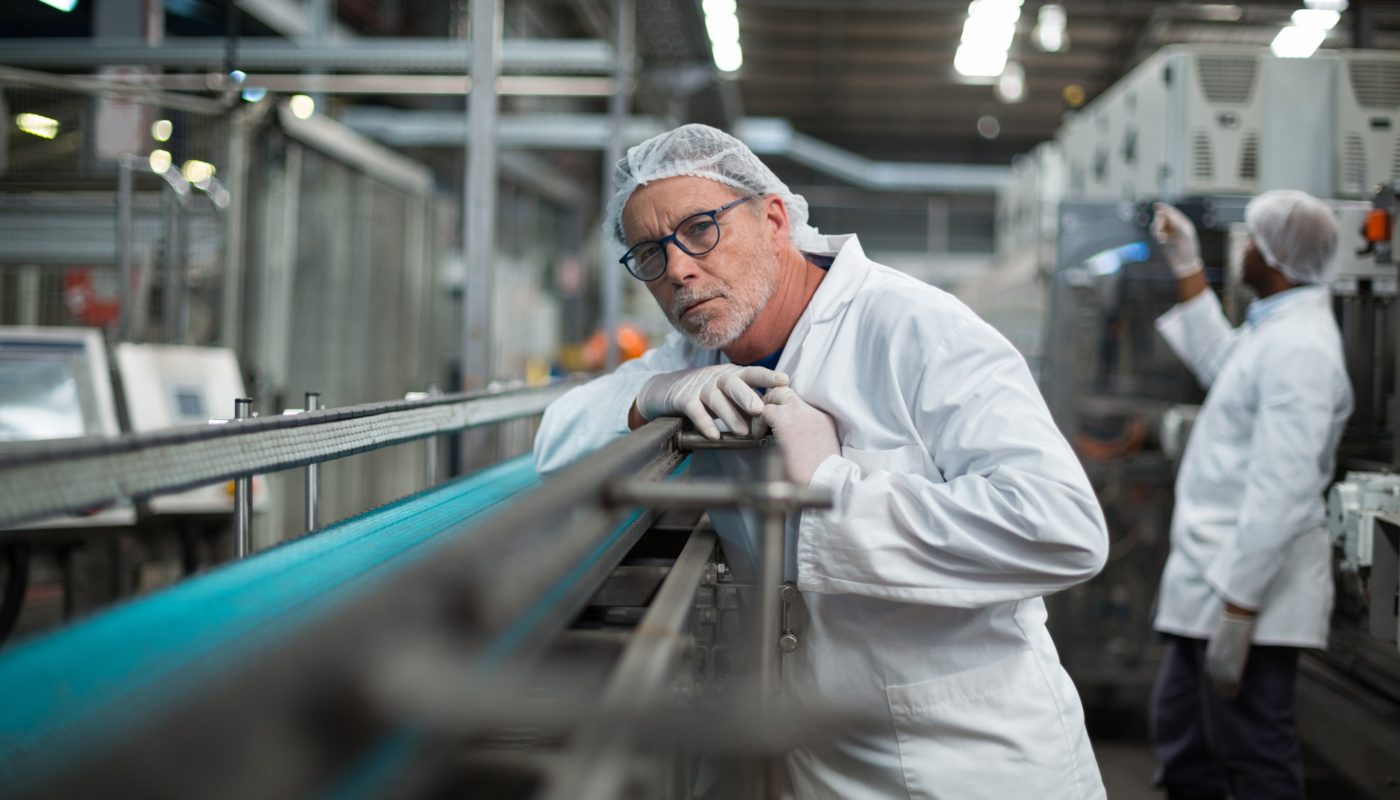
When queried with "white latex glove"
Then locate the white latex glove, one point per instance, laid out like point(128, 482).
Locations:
point(721, 392)
point(805, 435)
point(1177, 236)
point(1227, 653)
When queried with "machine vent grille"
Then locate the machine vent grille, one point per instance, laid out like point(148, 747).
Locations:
point(1227, 79)
point(1249, 157)
point(1395, 159)
point(1202, 160)
point(1376, 83)
point(1354, 165)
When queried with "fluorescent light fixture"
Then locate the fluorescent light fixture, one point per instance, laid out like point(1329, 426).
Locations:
point(728, 56)
point(1011, 86)
point(988, 33)
point(302, 106)
point(162, 129)
point(1001, 10)
point(197, 172)
point(1049, 33)
point(1316, 18)
point(37, 125)
point(62, 5)
point(722, 28)
point(722, 25)
point(1297, 42)
point(975, 62)
point(1327, 5)
point(160, 161)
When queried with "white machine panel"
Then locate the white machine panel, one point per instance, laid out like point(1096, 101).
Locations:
point(54, 384)
point(1368, 121)
point(167, 386)
point(1196, 120)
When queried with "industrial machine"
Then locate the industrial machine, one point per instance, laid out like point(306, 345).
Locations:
point(581, 637)
point(1368, 121)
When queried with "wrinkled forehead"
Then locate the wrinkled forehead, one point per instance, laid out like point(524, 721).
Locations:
point(655, 208)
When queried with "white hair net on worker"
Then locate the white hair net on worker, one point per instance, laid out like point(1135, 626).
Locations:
point(703, 152)
point(1295, 233)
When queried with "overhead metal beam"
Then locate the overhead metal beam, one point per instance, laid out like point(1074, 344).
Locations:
point(401, 84)
point(421, 55)
point(767, 136)
point(522, 131)
point(777, 137)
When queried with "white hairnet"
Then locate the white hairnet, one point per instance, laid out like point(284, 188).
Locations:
point(1294, 231)
point(704, 152)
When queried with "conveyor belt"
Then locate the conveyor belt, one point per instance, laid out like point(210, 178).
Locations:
point(67, 691)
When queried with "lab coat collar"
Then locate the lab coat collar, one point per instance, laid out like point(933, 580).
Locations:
point(1262, 312)
point(842, 280)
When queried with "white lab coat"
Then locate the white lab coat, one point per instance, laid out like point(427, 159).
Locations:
point(958, 505)
point(1249, 524)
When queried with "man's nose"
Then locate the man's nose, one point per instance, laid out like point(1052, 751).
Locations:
point(681, 267)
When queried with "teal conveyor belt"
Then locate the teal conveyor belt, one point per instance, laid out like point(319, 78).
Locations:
point(63, 693)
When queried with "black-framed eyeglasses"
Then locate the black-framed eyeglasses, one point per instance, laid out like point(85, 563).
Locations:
point(697, 235)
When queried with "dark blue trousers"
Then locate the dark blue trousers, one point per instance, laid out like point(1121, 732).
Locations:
point(1208, 747)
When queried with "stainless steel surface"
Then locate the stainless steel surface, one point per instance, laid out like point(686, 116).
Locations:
point(313, 474)
point(690, 440)
point(43, 478)
point(637, 682)
point(242, 493)
point(780, 496)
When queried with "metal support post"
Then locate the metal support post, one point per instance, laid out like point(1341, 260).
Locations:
point(479, 200)
point(170, 295)
point(430, 450)
point(313, 475)
point(617, 115)
point(770, 581)
point(124, 296)
point(242, 493)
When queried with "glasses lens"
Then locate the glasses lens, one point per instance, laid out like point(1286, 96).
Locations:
point(699, 234)
point(647, 261)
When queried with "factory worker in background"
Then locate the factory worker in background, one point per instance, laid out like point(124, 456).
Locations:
point(958, 504)
point(1248, 581)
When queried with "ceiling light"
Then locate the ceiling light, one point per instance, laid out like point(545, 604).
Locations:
point(728, 56)
point(974, 62)
point(37, 125)
point(162, 129)
point(197, 172)
point(254, 93)
point(1327, 5)
point(722, 27)
point(1297, 42)
point(720, 7)
point(1316, 18)
point(62, 5)
point(302, 106)
point(160, 161)
point(1049, 33)
point(1011, 86)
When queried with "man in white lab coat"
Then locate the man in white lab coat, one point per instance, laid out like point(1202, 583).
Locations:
point(1248, 580)
point(958, 504)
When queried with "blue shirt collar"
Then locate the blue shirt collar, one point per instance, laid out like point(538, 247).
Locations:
point(1261, 309)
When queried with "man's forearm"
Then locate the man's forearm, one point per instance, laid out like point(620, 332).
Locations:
point(1189, 287)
